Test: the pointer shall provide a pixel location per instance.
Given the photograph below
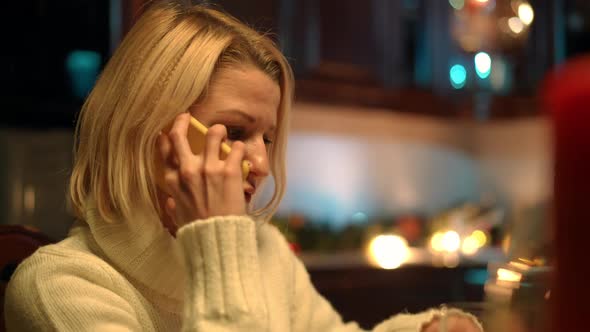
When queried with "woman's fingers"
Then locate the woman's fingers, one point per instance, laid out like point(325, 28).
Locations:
point(171, 209)
point(189, 166)
point(213, 166)
point(178, 135)
point(200, 186)
point(452, 323)
point(215, 135)
point(174, 178)
point(233, 185)
point(233, 162)
point(166, 151)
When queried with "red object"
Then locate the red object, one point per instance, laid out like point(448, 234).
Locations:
point(566, 95)
point(410, 228)
point(295, 247)
point(16, 244)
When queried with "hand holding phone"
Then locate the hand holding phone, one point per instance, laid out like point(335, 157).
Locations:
point(195, 181)
point(197, 137)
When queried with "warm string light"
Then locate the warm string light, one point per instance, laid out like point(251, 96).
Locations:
point(483, 64)
point(451, 242)
point(493, 25)
point(526, 13)
point(508, 275)
point(515, 25)
point(388, 251)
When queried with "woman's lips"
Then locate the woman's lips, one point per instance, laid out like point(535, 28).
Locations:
point(249, 190)
point(248, 193)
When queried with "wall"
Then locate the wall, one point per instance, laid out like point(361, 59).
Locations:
point(340, 161)
point(345, 160)
point(33, 172)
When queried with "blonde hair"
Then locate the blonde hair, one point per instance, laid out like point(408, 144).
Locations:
point(162, 67)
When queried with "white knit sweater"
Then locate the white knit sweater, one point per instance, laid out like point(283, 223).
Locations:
point(220, 274)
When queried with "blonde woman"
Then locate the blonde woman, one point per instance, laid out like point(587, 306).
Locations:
point(175, 247)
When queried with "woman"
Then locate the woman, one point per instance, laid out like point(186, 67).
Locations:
point(175, 247)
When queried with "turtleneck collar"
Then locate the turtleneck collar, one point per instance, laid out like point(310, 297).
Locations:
point(142, 249)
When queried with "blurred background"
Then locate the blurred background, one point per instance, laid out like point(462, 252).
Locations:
point(419, 160)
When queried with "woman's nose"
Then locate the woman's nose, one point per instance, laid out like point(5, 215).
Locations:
point(257, 155)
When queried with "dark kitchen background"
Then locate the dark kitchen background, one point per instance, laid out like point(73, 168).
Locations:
point(420, 158)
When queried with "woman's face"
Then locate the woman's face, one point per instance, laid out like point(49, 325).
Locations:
point(245, 100)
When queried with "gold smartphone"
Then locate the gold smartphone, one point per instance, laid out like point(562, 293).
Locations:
point(197, 139)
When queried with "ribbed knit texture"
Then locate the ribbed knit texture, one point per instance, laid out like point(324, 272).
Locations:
point(222, 257)
point(220, 274)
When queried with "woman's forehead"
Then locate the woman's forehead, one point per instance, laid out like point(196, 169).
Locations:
point(243, 88)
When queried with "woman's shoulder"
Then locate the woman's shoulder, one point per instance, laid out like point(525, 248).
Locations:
point(58, 262)
point(58, 276)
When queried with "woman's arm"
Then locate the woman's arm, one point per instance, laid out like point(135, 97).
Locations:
point(311, 312)
point(224, 289)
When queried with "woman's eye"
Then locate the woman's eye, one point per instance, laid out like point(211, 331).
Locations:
point(240, 134)
point(235, 134)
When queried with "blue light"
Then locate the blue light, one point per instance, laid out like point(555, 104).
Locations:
point(476, 276)
point(458, 76)
point(83, 68)
point(457, 4)
point(360, 218)
point(483, 64)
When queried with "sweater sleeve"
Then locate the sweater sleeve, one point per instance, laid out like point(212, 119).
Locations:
point(57, 294)
point(224, 288)
point(312, 312)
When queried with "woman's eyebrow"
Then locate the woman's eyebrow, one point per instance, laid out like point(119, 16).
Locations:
point(242, 114)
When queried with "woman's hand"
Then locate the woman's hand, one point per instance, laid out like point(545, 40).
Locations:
point(453, 323)
point(200, 186)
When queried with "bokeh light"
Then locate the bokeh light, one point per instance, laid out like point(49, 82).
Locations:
point(360, 218)
point(508, 275)
point(483, 64)
point(457, 4)
point(83, 67)
point(458, 76)
point(480, 237)
point(388, 251)
point(470, 246)
point(526, 13)
point(515, 25)
point(436, 242)
point(451, 241)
